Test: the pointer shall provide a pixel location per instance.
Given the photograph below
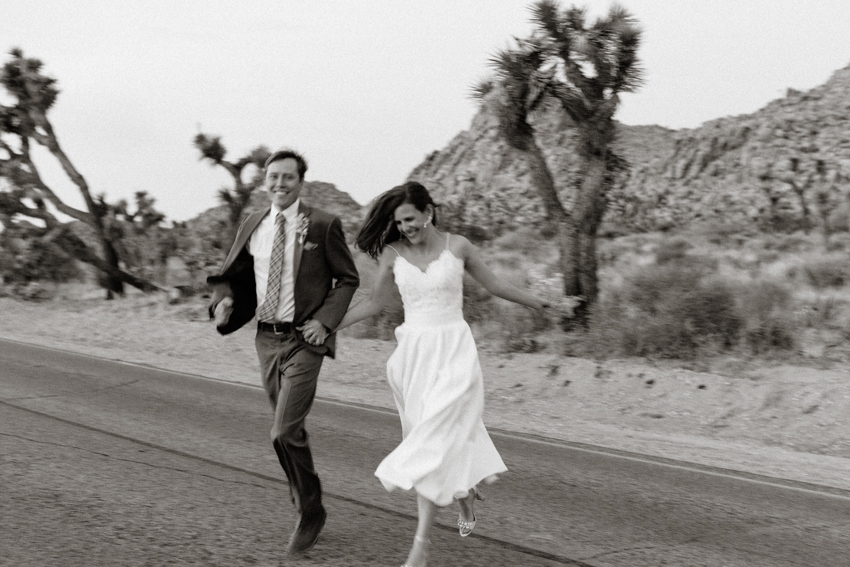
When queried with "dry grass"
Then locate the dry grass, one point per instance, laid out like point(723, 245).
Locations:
point(702, 294)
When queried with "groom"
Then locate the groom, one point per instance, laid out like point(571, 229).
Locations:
point(289, 266)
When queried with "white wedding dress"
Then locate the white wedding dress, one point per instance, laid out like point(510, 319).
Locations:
point(437, 384)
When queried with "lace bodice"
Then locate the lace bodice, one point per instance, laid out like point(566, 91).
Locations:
point(434, 296)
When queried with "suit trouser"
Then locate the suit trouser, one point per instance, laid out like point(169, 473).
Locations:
point(290, 372)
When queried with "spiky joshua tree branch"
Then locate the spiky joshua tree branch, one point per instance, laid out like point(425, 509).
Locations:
point(236, 199)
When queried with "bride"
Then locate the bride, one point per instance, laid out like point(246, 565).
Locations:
point(434, 372)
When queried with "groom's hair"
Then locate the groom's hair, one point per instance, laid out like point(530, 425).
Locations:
point(287, 153)
point(379, 228)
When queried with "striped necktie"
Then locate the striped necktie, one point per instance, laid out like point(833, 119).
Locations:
point(269, 308)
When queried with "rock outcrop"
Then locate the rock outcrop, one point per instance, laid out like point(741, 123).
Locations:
point(788, 162)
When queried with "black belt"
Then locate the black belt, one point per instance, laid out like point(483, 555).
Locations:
point(276, 328)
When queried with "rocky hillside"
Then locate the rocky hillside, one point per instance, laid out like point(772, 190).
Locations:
point(760, 169)
point(784, 164)
point(327, 197)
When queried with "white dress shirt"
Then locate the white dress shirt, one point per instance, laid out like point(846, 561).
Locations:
point(260, 247)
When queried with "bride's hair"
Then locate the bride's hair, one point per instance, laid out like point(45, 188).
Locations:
point(379, 228)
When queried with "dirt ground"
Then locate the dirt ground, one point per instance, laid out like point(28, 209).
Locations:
point(783, 421)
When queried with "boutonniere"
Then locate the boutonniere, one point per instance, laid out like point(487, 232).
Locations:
point(302, 224)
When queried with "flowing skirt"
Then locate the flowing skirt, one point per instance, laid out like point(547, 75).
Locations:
point(437, 384)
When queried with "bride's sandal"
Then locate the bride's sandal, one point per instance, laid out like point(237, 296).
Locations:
point(465, 527)
point(423, 541)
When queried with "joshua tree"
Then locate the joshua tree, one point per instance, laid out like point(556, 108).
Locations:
point(813, 181)
point(765, 181)
point(582, 69)
point(800, 182)
point(827, 195)
point(24, 122)
point(236, 199)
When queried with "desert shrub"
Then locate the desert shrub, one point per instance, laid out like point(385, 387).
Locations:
point(820, 312)
point(606, 256)
point(767, 256)
point(825, 272)
point(724, 233)
point(772, 335)
point(699, 263)
point(838, 243)
point(794, 242)
point(520, 329)
point(521, 240)
point(611, 251)
point(786, 222)
point(838, 219)
point(33, 291)
point(674, 312)
point(762, 298)
point(668, 311)
point(7, 263)
point(612, 230)
point(674, 249)
point(519, 248)
point(765, 307)
point(31, 260)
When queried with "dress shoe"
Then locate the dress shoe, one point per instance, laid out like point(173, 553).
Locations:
point(307, 531)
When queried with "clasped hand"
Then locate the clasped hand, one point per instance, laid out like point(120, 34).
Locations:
point(223, 310)
point(314, 332)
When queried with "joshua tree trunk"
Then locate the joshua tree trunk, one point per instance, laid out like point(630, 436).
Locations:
point(542, 180)
point(576, 230)
point(578, 238)
point(109, 281)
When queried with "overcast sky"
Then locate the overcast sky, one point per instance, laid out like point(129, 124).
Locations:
point(365, 89)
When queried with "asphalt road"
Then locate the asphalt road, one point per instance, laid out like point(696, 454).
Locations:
point(104, 463)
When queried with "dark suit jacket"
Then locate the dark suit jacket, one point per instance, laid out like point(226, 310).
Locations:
point(325, 276)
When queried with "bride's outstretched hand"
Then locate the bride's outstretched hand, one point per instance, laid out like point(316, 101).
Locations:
point(561, 308)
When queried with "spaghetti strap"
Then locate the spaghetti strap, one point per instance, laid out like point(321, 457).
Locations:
point(394, 250)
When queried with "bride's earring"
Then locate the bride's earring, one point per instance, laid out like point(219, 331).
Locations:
point(426, 223)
